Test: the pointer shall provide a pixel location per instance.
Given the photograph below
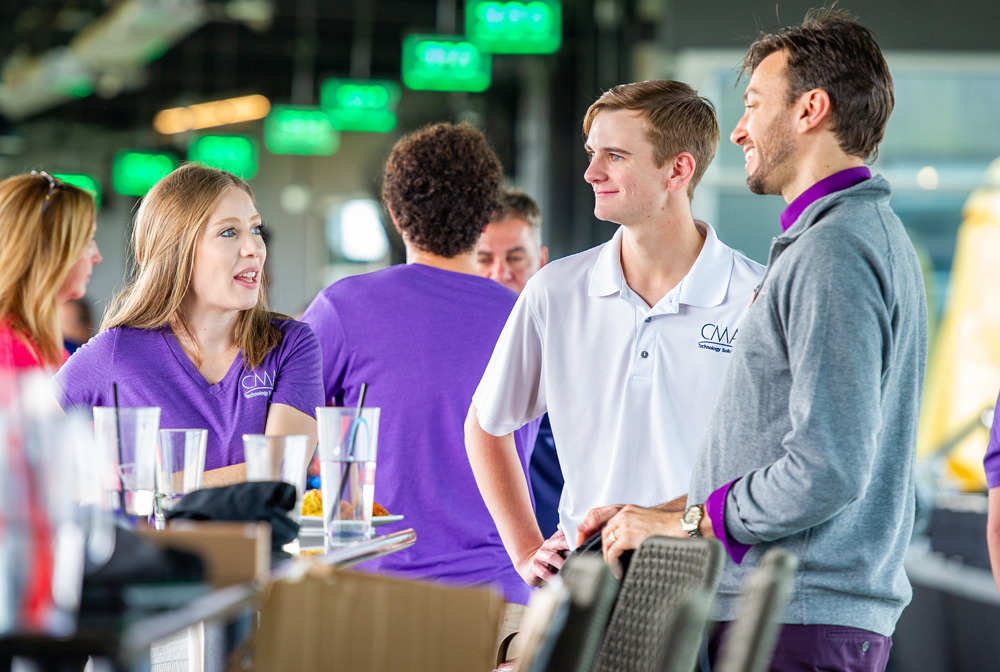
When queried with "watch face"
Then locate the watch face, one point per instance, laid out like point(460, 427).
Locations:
point(691, 515)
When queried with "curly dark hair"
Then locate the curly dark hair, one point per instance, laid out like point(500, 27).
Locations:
point(441, 185)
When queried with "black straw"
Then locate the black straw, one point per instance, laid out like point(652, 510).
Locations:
point(118, 433)
point(350, 449)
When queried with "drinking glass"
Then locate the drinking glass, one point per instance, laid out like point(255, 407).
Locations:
point(180, 465)
point(42, 541)
point(279, 458)
point(126, 442)
point(347, 448)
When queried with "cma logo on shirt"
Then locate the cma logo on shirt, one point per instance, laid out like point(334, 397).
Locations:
point(717, 338)
point(257, 384)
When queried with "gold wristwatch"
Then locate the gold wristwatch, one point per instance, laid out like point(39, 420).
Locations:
point(691, 519)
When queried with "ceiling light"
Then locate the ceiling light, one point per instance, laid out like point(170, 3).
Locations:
point(207, 115)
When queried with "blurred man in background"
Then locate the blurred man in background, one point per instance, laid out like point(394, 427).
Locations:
point(510, 251)
point(77, 324)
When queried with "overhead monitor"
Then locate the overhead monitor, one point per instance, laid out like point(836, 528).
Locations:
point(134, 172)
point(360, 105)
point(300, 130)
point(500, 27)
point(236, 154)
point(444, 63)
point(85, 182)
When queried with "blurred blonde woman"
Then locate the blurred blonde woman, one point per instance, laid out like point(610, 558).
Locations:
point(191, 332)
point(47, 254)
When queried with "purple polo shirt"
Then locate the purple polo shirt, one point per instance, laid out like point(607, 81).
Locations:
point(992, 461)
point(715, 505)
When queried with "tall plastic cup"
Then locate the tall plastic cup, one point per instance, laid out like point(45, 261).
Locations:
point(42, 541)
point(279, 458)
point(180, 466)
point(347, 449)
point(126, 442)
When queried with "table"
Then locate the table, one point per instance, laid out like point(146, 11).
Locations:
point(220, 608)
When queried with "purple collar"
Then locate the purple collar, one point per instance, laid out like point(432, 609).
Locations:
point(845, 179)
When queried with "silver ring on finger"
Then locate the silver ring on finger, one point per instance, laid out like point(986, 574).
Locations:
point(611, 536)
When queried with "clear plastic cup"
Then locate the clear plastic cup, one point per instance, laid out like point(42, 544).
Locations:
point(279, 458)
point(132, 471)
point(347, 450)
point(180, 465)
point(43, 540)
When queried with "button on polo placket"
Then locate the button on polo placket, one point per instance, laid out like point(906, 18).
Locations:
point(645, 342)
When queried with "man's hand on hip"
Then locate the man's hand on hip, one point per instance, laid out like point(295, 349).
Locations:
point(546, 561)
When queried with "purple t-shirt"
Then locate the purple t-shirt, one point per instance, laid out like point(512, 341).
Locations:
point(421, 338)
point(992, 461)
point(151, 369)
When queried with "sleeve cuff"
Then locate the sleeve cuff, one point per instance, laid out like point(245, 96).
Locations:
point(488, 424)
point(715, 508)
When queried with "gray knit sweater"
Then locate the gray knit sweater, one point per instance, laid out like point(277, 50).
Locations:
point(817, 416)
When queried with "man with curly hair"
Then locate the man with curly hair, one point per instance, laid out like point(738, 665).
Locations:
point(420, 336)
point(624, 345)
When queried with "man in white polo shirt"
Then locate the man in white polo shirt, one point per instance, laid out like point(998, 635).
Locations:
point(623, 345)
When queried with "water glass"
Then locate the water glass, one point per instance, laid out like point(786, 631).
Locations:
point(180, 465)
point(347, 448)
point(279, 458)
point(126, 443)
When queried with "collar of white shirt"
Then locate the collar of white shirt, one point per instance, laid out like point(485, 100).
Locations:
point(704, 286)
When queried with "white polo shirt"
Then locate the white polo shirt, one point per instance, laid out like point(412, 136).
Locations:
point(628, 388)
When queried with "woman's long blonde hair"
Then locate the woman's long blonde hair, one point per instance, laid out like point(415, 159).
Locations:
point(44, 228)
point(164, 237)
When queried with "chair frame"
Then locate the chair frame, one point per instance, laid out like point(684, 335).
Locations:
point(750, 640)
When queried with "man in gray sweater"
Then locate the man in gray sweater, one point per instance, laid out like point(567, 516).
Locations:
point(811, 443)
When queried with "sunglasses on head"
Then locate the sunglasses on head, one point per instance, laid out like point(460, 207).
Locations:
point(52, 185)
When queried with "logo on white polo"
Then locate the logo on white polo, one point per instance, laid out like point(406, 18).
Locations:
point(717, 338)
point(258, 384)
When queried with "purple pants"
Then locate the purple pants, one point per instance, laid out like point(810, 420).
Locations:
point(820, 648)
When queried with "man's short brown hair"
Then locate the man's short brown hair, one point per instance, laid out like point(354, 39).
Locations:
point(515, 203)
point(677, 120)
point(441, 185)
point(833, 52)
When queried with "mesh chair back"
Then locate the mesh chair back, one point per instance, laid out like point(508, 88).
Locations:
point(750, 641)
point(686, 631)
point(662, 574)
point(592, 589)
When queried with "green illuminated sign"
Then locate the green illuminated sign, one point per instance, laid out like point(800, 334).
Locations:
point(360, 105)
point(444, 63)
point(133, 173)
point(514, 27)
point(85, 182)
point(300, 130)
point(233, 153)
